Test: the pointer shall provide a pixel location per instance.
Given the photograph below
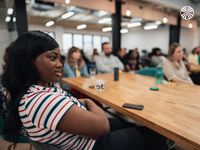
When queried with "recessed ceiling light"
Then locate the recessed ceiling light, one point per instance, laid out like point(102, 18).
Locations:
point(165, 20)
point(7, 19)
point(135, 24)
point(82, 26)
point(101, 13)
point(124, 31)
point(67, 1)
point(128, 12)
point(14, 19)
point(107, 29)
point(190, 25)
point(104, 20)
point(67, 15)
point(50, 23)
point(10, 11)
point(150, 27)
point(158, 22)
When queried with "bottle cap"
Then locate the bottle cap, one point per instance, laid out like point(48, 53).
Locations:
point(154, 88)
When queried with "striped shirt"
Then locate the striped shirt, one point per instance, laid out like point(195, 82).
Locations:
point(41, 109)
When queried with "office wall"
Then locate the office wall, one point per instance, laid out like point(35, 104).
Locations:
point(190, 38)
point(147, 39)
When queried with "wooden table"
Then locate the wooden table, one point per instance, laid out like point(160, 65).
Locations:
point(173, 111)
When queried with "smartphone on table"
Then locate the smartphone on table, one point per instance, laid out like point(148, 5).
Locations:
point(133, 106)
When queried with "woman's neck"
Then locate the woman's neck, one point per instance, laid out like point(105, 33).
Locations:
point(44, 84)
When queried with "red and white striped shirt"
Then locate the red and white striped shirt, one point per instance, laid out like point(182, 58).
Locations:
point(41, 109)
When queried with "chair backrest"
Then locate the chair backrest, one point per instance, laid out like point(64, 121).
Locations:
point(21, 138)
point(148, 71)
point(11, 138)
point(43, 146)
point(2, 125)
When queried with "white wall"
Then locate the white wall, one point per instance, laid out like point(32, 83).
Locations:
point(190, 38)
point(147, 39)
point(142, 39)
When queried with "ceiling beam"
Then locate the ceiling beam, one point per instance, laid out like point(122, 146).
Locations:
point(177, 4)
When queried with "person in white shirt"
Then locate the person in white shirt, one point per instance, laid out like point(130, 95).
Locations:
point(106, 61)
point(174, 68)
point(193, 57)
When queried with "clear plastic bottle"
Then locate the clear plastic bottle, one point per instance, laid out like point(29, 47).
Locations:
point(159, 74)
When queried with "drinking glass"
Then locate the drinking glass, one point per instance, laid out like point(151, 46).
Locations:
point(92, 72)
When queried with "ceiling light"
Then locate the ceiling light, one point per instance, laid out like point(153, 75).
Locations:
point(158, 22)
point(190, 25)
point(104, 20)
point(128, 12)
point(10, 11)
point(124, 31)
point(135, 24)
point(107, 29)
point(123, 24)
point(101, 13)
point(14, 19)
point(67, 15)
point(82, 26)
point(7, 19)
point(165, 20)
point(150, 27)
point(50, 23)
point(67, 1)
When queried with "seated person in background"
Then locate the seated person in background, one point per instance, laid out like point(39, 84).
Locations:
point(144, 59)
point(174, 68)
point(193, 57)
point(74, 65)
point(194, 65)
point(121, 55)
point(51, 115)
point(132, 61)
point(156, 57)
point(95, 53)
point(85, 57)
point(106, 61)
point(185, 60)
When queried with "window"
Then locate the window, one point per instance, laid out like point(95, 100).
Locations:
point(78, 41)
point(52, 34)
point(105, 39)
point(67, 42)
point(97, 42)
point(87, 43)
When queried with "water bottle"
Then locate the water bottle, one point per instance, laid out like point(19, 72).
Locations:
point(116, 73)
point(159, 74)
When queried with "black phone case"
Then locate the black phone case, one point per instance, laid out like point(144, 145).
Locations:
point(133, 106)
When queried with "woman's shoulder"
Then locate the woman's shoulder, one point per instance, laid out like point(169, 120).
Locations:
point(167, 61)
point(38, 89)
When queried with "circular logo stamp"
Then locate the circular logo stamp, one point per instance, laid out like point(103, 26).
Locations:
point(187, 12)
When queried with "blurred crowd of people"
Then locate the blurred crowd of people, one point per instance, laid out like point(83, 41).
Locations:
point(177, 65)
